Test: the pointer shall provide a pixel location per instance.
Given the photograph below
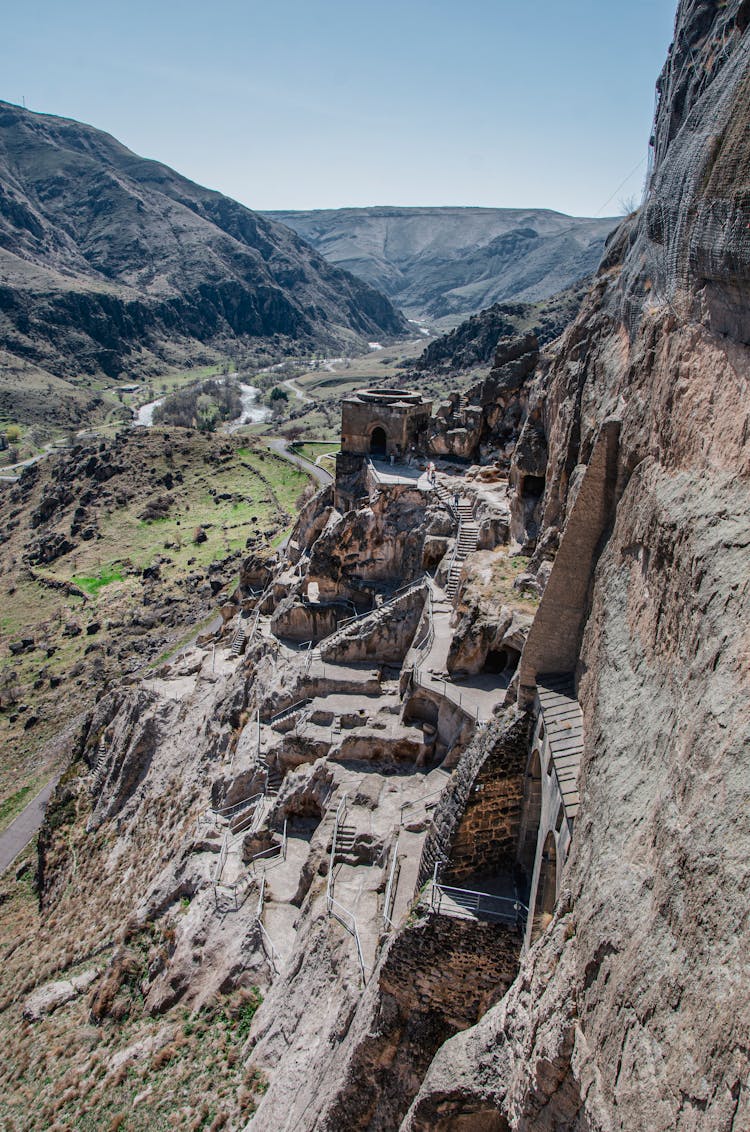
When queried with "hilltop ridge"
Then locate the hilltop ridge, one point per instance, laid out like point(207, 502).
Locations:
point(444, 263)
point(111, 263)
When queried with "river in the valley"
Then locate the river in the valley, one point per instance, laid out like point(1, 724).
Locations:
point(252, 412)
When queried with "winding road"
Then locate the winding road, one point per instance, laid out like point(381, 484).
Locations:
point(295, 389)
point(281, 448)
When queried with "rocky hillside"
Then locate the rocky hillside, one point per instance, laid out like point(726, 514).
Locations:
point(444, 263)
point(473, 342)
point(112, 264)
point(111, 552)
point(233, 922)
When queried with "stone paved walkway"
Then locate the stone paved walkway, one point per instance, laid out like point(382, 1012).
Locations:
point(479, 695)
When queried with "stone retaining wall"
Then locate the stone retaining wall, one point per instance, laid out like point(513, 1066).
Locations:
point(457, 967)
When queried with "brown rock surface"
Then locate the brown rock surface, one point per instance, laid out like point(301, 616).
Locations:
point(631, 1011)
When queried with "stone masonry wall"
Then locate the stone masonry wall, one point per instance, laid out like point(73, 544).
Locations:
point(487, 837)
point(458, 967)
point(437, 978)
point(503, 746)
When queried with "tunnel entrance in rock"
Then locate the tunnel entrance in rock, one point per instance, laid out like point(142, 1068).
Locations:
point(378, 441)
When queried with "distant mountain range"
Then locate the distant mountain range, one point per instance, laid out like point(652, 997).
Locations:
point(113, 264)
point(445, 263)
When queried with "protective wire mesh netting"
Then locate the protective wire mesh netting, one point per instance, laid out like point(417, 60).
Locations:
point(694, 226)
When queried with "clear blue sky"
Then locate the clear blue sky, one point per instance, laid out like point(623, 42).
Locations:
point(325, 103)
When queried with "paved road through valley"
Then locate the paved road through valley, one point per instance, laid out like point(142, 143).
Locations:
point(281, 448)
point(19, 833)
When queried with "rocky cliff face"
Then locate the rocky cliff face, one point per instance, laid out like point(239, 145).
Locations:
point(631, 1011)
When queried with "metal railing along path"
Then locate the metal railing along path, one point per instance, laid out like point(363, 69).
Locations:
point(466, 903)
point(334, 908)
point(459, 696)
point(271, 854)
point(397, 595)
point(271, 953)
point(287, 711)
point(423, 801)
point(390, 890)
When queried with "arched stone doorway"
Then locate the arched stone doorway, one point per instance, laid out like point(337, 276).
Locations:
point(532, 813)
point(546, 889)
point(378, 441)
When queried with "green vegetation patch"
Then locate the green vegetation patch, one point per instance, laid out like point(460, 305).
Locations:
point(92, 584)
point(313, 449)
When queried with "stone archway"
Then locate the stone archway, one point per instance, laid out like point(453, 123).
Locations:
point(378, 441)
point(546, 889)
point(532, 813)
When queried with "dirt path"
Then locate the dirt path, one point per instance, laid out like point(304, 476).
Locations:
point(19, 833)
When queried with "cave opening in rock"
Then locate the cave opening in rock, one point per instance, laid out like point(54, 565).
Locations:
point(378, 441)
point(504, 660)
point(532, 487)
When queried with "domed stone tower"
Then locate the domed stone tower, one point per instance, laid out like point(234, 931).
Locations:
point(383, 424)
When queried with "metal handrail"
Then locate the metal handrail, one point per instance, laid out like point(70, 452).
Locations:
point(227, 811)
point(250, 821)
point(426, 645)
point(338, 820)
point(390, 894)
point(343, 915)
point(395, 596)
point(309, 658)
point(457, 699)
point(418, 802)
point(271, 952)
point(253, 627)
point(441, 491)
point(208, 816)
point(287, 711)
point(508, 909)
point(272, 851)
point(217, 882)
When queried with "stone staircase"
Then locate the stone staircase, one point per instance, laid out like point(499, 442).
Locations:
point(466, 543)
point(346, 835)
point(287, 714)
point(445, 496)
point(99, 767)
point(375, 615)
point(238, 641)
point(274, 775)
